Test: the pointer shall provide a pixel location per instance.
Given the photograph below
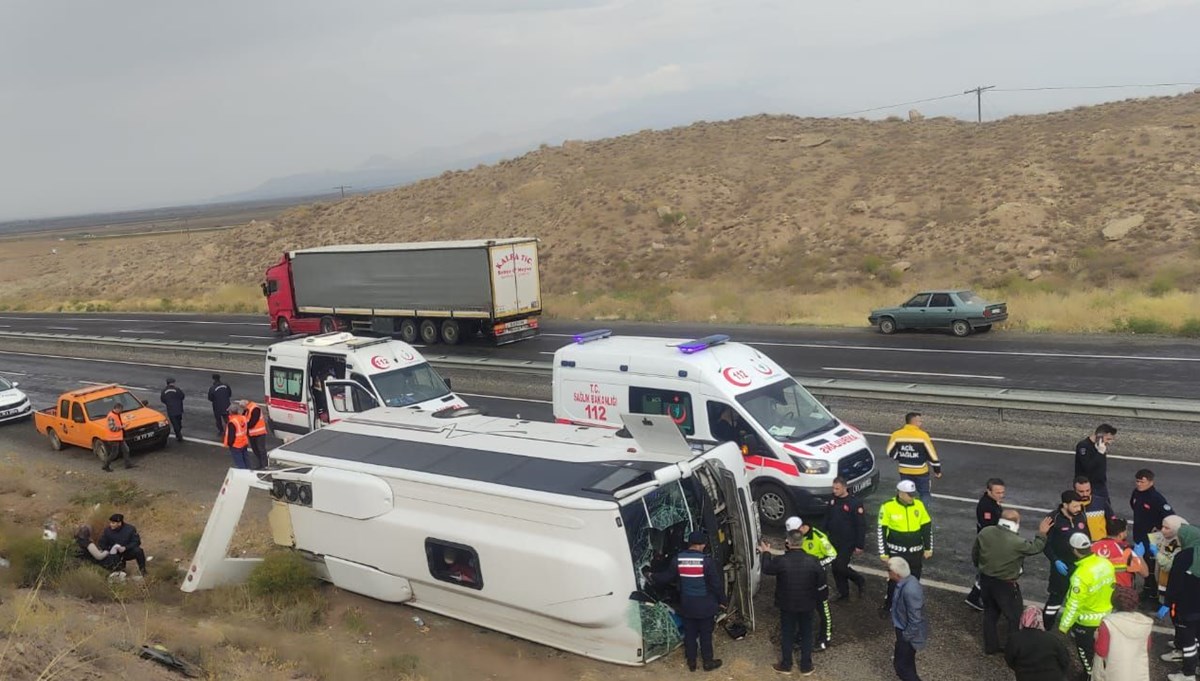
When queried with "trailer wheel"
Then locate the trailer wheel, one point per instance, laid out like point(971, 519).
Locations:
point(408, 331)
point(55, 443)
point(429, 332)
point(283, 326)
point(451, 333)
point(328, 325)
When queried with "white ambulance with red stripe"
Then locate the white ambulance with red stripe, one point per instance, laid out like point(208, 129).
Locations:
point(314, 381)
point(718, 391)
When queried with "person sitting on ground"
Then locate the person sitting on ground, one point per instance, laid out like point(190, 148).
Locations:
point(1035, 654)
point(123, 538)
point(90, 552)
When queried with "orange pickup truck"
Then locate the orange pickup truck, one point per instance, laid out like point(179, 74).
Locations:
point(81, 417)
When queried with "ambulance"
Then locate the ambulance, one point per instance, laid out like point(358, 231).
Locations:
point(718, 391)
point(314, 381)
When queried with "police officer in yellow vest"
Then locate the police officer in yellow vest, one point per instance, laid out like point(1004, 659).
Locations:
point(817, 544)
point(1089, 599)
point(905, 531)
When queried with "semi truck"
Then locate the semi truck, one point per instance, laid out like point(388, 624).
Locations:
point(426, 292)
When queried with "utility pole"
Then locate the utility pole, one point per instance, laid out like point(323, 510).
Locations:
point(979, 99)
point(342, 188)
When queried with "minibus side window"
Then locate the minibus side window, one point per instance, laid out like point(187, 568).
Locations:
point(454, 563)
point(673, 403)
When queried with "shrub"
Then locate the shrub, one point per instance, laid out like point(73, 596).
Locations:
point(33, 558)
point(1190, 328)
point(86, 582)
point(121, 493)
point(402, 665)
point(282, 578)
point(1142, 325)
point(190, 541)
point(873, 264)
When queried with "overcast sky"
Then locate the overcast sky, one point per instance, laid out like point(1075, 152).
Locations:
point(109, 105)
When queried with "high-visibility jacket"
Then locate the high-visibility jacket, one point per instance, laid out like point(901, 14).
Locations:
point(1125, 563)
point(913, 452)
point(904, 528)
point(260, 424)
point(235, 433)
point(817, 545)
point(1096, 513)
point(1090, 596)
point(114, 428)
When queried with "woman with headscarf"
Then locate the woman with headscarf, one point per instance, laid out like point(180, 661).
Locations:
point(1165, 545)
point(90, 552)
point(1035, 654)
point(1183, 602)
point(1123, 641)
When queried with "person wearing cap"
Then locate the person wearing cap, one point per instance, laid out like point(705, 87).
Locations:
point(1089, 599)
point(905, 531)
point(236, 436)
point(799, 589)
point(846, 523)
point(912, 450)
point(172, 398)
point(1066, 520)
point(122, 540)
point(701, 597)
point(220, 394)
point(817, 545)
point(999, 555)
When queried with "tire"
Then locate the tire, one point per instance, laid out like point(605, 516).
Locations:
point(55, 442)
point(451, 332)
point(983, 329)
point(408, 331)
point(887, 326)
point(429, 332)
point(283, 326)
point(100, 450)
point(960, 328)
point(328, 325)
point(775, 505)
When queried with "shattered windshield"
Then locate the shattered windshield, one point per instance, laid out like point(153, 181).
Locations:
point(410, 385)
point(786, 411)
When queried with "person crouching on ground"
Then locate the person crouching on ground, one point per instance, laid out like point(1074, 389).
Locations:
point(124, 539)
point(1035, 654)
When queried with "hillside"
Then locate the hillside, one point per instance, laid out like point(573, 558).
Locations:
point(769, 207)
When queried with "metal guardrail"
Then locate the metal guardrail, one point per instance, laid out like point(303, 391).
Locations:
point(1171, 409)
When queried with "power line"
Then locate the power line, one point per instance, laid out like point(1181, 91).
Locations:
point(1093, 87)
point(893, 106)
point(979, 99)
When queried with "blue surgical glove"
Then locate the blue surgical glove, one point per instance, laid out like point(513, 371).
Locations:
point(1163, 612)
point(1139, 550)
point(1060, 567)
point(1153, 549)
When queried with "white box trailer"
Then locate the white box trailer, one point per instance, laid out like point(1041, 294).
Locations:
point(537, 530)
point(719, 391)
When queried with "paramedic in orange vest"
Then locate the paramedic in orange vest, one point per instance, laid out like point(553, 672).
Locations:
point(236, 437)
point(1126, 561)
point(113, 435)
point(256, 429)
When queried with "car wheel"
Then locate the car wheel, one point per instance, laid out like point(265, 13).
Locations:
point(887, 326)
point(283, 326)
point(774, 504)
point(429, 332)
point(983, 329)
point(960, 328)
point(451, 333)
point(55, 443)
point(100, 450)
point(408, 331)
point(328, 325)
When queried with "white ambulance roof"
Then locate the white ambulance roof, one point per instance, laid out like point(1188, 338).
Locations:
point(380, 354)
point(414, 246)
point(732, 367)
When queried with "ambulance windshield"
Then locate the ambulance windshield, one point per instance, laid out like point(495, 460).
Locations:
point(410, 385)
point(786, 411)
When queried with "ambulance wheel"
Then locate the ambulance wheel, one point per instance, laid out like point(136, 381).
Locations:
point(328, 325)
point(887, 326)
point(284, 327)
point(960, 328)
point(451, 333)
point(429, 332)
point(775, 505)
point(408, 331)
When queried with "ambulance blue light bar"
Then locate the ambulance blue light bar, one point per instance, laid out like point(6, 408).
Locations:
point(589, 336)
point(699, 344)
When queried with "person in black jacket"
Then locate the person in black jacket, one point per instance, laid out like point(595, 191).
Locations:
point(799, 583)
point(1149, 508)
point(1091, 458)
point(701, 596)
point(1068, 520)
point(846, 525)
point(219, 394)
point(1183, 603)
point(1035, 654)
point(987, 513)
point(124, 538)
point(172, 399)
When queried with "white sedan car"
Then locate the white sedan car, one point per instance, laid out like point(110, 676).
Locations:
point(13, 403)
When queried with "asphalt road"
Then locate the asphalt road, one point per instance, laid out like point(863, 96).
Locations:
point(1035, 477)
point(1094, 364)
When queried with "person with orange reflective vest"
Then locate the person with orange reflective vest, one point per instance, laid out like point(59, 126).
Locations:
point(1126, 561)
point(237, 438)
point(256, 429)
point(113, 436)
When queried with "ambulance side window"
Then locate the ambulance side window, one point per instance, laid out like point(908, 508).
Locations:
point(287, 384)
point(677, 405)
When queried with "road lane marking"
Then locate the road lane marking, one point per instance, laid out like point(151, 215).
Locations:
point(234, 335)
point(138, 331)
point(914, 373)
point(119, 385)
point(967, 500)
point(63, 328)
point(1045, 450)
